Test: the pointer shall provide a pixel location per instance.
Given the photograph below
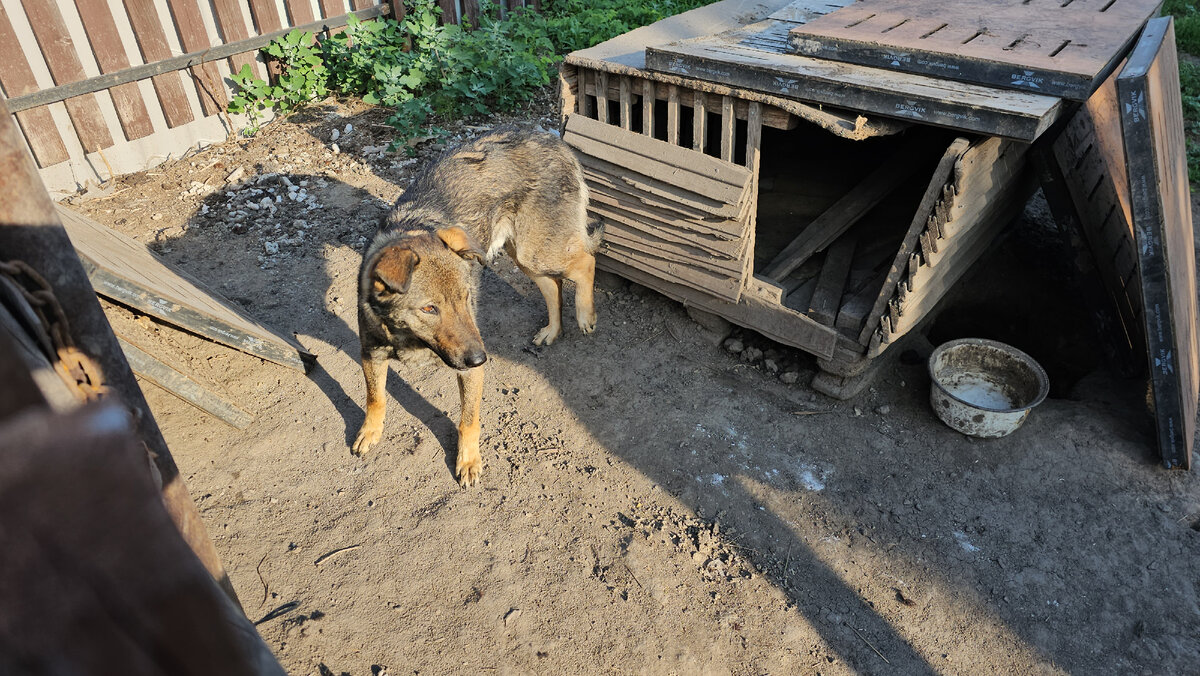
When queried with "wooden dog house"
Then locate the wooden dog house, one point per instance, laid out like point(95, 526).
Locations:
point(790, 196)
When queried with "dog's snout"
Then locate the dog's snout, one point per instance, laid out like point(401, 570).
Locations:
point(475, 359)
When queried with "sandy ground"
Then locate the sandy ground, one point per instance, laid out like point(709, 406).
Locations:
point(651, 501)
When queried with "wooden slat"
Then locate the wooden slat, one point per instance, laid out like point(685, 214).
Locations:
point(265, 16)
point(724, 59)
point(754, 138)
point(470, 12)
point(699, 121)
point(648, 107)
point(363, 4)
point(666, 223)
point(649, 188)
point(626, 233)
point(152, 42)
point(110, 55)
point(193, 38)
point(449, 11)
point(17, 79)
point(765, 316)
point(1152, 126)
point(232, 23)
point(696, 173)
point(773, 116)
point(920, 219)
point(1054, 48)
point(626, 104)
point(602, 96)
point(150, 368)
point(59, 52)
point(827, 297)
point(673, 115)
point(715, 284)
point(845, 212)
point(125, 271)
point(728, 125)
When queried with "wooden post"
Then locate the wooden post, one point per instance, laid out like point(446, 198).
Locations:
point(673, 115)
point(728, 125)
point(32, 233)
point(699, 121)
point(648, 107)
point(602, 96)
point(754, 136)
point(626, 104)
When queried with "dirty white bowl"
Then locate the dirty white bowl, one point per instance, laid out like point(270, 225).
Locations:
point(984, 388)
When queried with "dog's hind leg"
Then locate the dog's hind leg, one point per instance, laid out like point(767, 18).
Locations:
point(469, 464)
point(375, 371)
point(582, 271)
point(551, 288)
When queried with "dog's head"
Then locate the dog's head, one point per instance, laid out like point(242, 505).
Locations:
point(421, 286)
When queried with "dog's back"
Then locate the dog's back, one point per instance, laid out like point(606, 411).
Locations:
point(509, 187)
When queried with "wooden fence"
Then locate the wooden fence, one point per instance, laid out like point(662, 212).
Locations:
point(106, 87)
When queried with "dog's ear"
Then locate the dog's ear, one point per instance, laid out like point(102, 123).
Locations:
point(393, 270)
point(461, 243)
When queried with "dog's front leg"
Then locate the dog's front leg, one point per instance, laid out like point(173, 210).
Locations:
point(375, 371)
point(469, 464)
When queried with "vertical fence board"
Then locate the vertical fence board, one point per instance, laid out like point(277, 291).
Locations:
point(17, 78)
point(65, 68)
point(602, 96)
point(449, 11)
point(363, 4)
point(626, 103)
point(194, 38)
point(699, 121)
point(110, 55)
point(728, 125)
point(266, 20)
point(232, 24)
point(152, 41)
point(299, 12)
point(470, 10)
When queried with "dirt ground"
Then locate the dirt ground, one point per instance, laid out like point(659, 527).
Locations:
point(651, 501)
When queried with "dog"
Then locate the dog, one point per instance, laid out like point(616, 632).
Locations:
point(514, 190)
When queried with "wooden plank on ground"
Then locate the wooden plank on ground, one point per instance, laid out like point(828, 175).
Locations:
point(827, 297)
point(1054, 48)
point(753, 58)
point(920, 220)
point(152, 41)
point(193, 38)
point(17, 78)
point(110, 55)
point(150, 368)
point(767, 317)
point(124, 270)
point(59, 51)
point(845, 212)
point(1152, 125)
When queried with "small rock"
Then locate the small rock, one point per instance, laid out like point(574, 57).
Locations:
point(512, 616)
point(789, 377)
point(334, 147)
point(752, 354)
point(884, 410)
point(156, 217)
point(771, 366)
point(349, 128)
point(734, 345)
point(335, 135)
point(266, 202)
point(857, 412)
point(235, 174)
point(271, 247)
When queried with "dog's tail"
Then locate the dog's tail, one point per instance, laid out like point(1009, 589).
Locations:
point(595, 232)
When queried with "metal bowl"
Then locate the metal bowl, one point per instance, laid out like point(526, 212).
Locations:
point(984, 388)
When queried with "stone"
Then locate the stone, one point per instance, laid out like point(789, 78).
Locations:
point(789, 377)
point(734, 345)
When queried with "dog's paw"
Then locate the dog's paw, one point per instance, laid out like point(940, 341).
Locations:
point(368, 436)
point(547, 335)
point(468, 471)
point(587, 323)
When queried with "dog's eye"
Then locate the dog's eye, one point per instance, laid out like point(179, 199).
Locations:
point(430, 309)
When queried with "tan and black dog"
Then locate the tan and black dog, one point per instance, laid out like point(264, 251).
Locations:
point(519, 191)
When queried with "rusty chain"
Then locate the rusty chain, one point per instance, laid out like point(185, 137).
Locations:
point(78, 370)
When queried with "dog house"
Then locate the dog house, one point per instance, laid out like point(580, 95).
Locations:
point(827, 206)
